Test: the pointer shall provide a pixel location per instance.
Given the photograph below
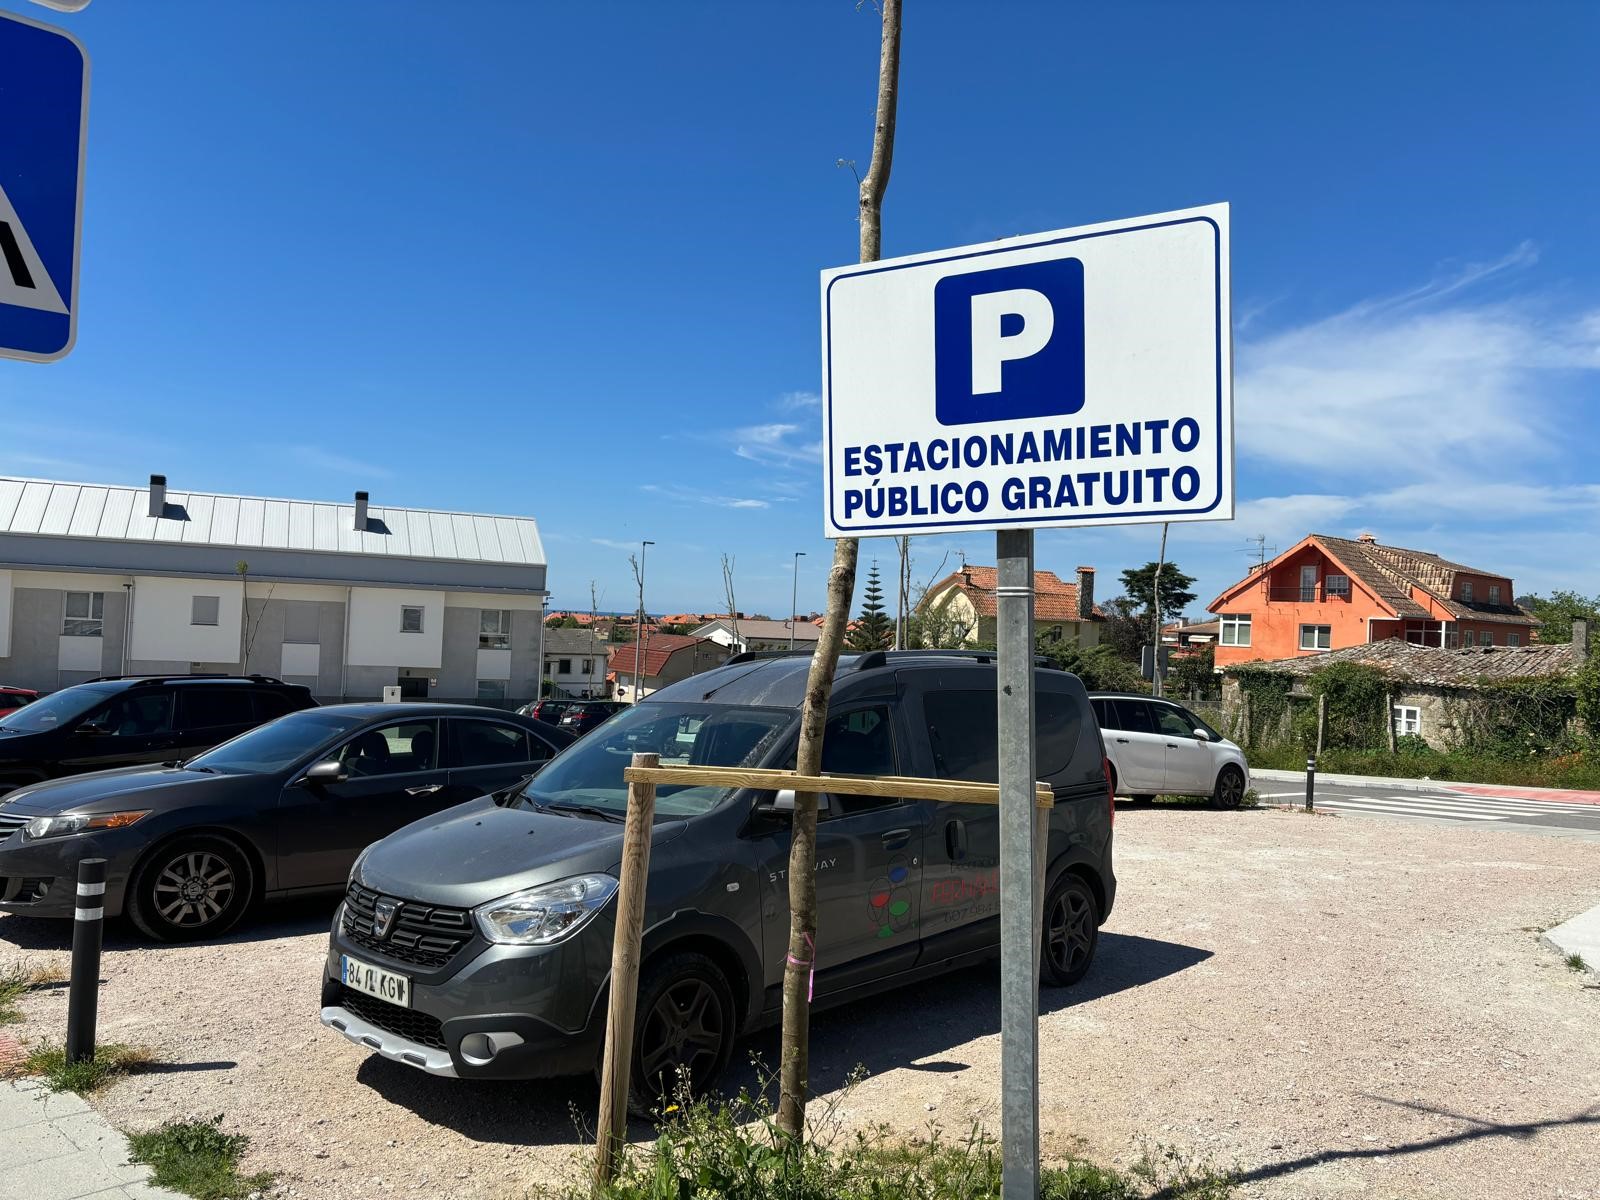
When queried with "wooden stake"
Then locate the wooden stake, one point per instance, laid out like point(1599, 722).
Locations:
point(616, 1066)
point(1388, 717)
point(1322, 720)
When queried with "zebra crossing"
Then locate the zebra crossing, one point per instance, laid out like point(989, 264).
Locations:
point(1450, 806)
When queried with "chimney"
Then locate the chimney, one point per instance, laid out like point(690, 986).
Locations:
point(1370, 539)
point(1085, 593)
point(1580, 640)
point(361, 512)
point(158, 495)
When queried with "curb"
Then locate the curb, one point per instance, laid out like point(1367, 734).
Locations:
point(1581, 936)
point(1408, 785)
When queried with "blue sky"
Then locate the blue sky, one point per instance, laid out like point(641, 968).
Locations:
point(561, 260)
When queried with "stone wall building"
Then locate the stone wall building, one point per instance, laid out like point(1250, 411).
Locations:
point(1430, 683)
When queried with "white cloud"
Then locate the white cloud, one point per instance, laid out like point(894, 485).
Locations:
point(798, 401)
point(610, 544)
point(778, 442)
point(320, 459)
point(1415, 386)
point(684, 495)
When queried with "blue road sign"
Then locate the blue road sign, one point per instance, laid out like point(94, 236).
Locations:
point(44, 107)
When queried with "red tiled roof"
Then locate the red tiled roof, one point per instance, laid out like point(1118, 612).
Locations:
point(1054, 599)
point(658, 648)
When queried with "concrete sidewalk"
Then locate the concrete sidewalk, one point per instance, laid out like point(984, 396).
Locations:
point(1581, 936)
point(54, 1146)
point(1379, 783)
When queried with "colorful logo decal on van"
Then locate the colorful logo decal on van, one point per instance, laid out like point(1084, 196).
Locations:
point(889, 900)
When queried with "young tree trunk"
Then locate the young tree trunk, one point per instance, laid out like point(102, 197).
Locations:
point(796, 1062)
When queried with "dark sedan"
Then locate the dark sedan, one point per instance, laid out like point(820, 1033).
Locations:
point(280, 811)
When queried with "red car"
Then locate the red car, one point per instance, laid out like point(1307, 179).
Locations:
point(12, 698)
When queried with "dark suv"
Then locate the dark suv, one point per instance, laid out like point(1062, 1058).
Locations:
point(124, 721)
point(588, 715)
point(478, 943)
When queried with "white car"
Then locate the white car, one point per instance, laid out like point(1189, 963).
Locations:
point(1157, 747)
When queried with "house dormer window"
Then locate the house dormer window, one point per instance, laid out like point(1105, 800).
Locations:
point(1466, 590)
point(1494, 593)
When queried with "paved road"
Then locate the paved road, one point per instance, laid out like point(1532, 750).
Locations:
point(1502, 810)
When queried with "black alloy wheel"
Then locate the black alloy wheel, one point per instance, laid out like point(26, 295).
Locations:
point(192, 889)
point(683, 1030)
point(1071, 931)
point(1230, 789)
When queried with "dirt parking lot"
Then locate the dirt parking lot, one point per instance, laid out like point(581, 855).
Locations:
point(1336, 1006)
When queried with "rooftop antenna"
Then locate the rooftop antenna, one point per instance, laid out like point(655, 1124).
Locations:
point(1259, 550)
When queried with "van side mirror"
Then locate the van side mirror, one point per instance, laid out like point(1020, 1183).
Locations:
point(1200, 735)
point(327, 771)
point(783, 802)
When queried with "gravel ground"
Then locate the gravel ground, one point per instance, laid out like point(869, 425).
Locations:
point(1336, 1007)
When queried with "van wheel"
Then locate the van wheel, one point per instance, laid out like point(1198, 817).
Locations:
point(191, 889)
point(1071, 931)
point(682, 1030)
point(1230, 788)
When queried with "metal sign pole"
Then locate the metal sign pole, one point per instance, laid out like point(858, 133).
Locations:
point(1020, 901)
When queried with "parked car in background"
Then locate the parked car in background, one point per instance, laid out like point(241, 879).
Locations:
point(587, 715)
point(122, 721)
point(15, 697)
point(1157, 747)
point(549, 711)
point(478, 943)
point(280, 811)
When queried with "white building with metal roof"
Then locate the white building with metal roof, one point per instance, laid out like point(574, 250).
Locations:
point(346, 598)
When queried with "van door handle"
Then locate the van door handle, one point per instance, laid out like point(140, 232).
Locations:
point(955, 840)
point(1124, 741)
point(1172, 745)
point(426, 789)
point(896, 839)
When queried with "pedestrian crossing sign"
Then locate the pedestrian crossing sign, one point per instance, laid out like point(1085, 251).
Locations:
point(44, 103)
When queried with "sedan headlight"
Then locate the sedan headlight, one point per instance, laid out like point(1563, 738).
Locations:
point(64, 824)
point(542, 915)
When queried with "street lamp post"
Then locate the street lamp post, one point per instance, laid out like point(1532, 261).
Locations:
point(794, 595)
point(638, 629)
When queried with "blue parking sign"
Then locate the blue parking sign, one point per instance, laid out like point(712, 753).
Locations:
point(44, 103)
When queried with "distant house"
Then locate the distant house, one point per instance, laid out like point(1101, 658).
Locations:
point(1327, 593)
point(575, 664)
point(1182, 637)
point(1429, 681)
point(746, 634)
point(663, 658)
point(1062, 612)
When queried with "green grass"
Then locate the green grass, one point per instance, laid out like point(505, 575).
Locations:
point(1575, 963)
point(198, 1159)
point(109, 1061)
point(16, 981)
point(734, 1151)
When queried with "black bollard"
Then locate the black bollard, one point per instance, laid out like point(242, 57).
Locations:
point(1311, 779)
point(83, 997)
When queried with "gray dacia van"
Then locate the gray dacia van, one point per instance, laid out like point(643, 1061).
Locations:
point(477, 943)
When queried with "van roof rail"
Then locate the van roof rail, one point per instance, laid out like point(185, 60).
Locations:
point(874, 659)
point(745, 656)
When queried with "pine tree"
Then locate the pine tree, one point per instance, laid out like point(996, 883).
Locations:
point(873, 630)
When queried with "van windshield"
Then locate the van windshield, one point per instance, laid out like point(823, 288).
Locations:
point(589, 773)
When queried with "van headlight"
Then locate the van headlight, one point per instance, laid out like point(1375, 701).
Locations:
point(64, 824)
point(545, 914)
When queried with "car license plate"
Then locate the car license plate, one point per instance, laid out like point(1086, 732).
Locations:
point(375, 981)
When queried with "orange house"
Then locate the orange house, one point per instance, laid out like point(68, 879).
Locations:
point(1326, 593)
